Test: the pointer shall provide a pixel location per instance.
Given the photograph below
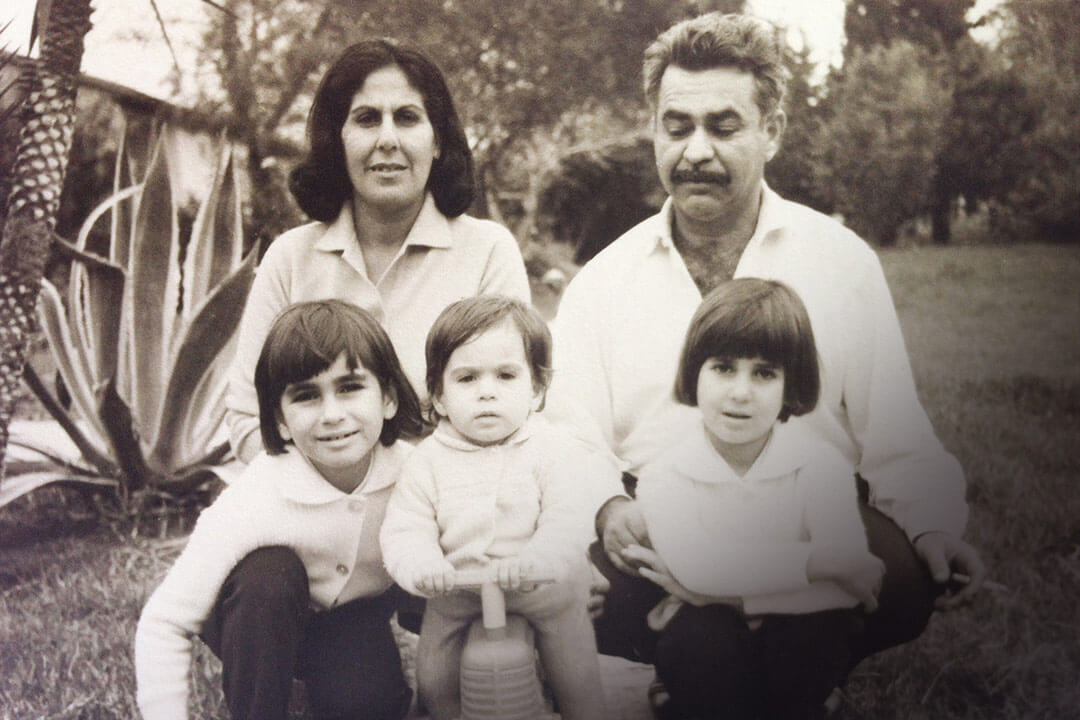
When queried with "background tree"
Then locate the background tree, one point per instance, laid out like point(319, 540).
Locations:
point(1041, 45)
point(934, 24)
point(888, 108)
point(797, 172)
point(941, 28)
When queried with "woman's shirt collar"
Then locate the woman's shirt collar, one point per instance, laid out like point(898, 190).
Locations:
point(430, 229)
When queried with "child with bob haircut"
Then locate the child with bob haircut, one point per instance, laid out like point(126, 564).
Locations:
point(754, 524)
point(333, 403)
point(494, 486)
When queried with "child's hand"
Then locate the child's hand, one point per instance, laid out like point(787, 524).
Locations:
point(435, 579)
point(858, 573)
point(652, 567)
point(508, 573)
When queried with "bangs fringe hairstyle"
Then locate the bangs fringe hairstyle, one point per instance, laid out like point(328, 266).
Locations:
point(320, 183)
point(306, 339)
point(717, 40)
point(747, 318)
point(465, 319)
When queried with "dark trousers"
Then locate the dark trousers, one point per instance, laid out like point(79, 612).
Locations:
point(714, 665)
point(265, 634)
point(904, 603)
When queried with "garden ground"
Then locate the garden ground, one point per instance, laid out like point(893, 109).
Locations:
point(994, 337)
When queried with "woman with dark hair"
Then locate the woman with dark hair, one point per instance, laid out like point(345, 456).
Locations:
point(387, 180)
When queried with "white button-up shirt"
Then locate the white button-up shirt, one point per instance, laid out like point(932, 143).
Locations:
point(622, 321)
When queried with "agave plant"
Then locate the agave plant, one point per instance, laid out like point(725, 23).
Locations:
point(144, 337)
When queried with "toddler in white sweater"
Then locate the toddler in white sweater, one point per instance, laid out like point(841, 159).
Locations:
point(494, 486)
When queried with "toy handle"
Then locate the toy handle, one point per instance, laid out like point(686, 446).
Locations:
point(492, 600)
point(476, 578)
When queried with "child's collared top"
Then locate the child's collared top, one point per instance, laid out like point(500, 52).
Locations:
point(278, 500)
point(751, 536)
point(471, 503)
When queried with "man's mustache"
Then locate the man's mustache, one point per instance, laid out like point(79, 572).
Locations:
point(699, 176)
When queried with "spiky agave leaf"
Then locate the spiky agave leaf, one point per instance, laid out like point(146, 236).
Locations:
point(122, 218)
point(153, 295)
point(193, 409)
point(216, 243)
point(72, 363)
point(95, 296)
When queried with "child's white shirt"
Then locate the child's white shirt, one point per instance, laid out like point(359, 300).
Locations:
point(471, 503)
point(750, 537)
point(278, 500)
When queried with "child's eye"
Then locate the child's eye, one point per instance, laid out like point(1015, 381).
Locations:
point(351, 386)
point(722, 366)
point(465, 378)
point(300, 396)
point(507, 375)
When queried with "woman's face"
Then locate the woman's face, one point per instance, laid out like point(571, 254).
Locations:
point(389, 142)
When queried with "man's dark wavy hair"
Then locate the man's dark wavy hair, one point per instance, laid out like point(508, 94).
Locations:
point(320, 183)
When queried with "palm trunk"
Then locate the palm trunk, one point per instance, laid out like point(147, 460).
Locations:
point(48, 123)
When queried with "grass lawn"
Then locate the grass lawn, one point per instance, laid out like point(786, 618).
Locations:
point(994, 338)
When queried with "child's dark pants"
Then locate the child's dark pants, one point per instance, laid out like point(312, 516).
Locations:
point(714, 665)
point(265, 633)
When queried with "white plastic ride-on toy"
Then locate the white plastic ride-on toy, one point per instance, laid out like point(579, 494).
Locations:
point(499, 679)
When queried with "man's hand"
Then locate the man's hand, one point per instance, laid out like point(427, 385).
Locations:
point(858, 573)
point(945, 554)
point(621, 525)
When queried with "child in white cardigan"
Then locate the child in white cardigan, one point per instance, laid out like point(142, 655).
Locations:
point(333, 402)
point(754, 523)
point(494, 486)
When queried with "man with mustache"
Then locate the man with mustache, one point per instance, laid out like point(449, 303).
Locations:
point(715, 85)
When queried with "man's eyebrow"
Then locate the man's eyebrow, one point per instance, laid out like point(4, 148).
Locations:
point(674, 115)
point(722, 115)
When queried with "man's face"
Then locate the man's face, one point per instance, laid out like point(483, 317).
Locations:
point(712, 144)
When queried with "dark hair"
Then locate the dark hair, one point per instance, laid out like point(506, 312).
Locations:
point(306, 339)
point(750, 317)
point(320, 183)
point(465, 319)
point(721, 40)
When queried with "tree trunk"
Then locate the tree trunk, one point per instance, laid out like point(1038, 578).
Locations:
point(48, 124)
point(941, 214)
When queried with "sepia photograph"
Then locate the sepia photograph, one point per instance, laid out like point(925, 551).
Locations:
point(539, 360)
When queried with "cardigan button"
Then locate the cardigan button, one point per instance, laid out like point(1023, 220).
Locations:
point(342, 570)
point(356, 506)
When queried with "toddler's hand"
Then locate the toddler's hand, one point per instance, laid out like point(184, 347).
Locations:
point(508, 573)
point(435, 579)
point(857, 573)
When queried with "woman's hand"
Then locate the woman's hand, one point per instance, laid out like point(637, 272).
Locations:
point(857, 572)
point(436, 578)
point(652, 567)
